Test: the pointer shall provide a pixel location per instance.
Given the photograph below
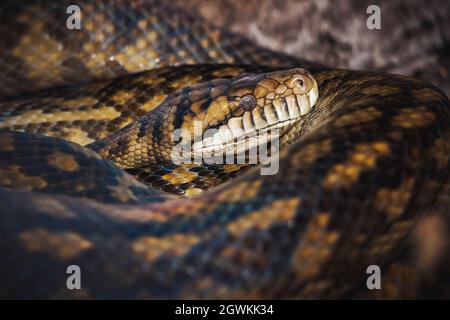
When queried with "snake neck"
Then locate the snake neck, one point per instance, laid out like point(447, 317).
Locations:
point(142, 143)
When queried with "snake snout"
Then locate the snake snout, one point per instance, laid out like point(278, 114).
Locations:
point(261, 104)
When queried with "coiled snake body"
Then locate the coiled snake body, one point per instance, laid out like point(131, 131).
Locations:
point(358, 172)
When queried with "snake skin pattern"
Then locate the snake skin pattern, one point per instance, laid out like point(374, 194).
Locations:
point(365, 171)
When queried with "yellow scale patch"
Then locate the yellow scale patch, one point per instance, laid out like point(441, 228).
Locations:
point(37, 116)
point(441, 151)
point(427, 95)
point(414, 117)
point(175, 245)
point(139, 55)
point(310, 153)
point(94, 55)
point(121, 193)
point(10, 175)
point(38, 51)
point(185, 81)
point(63, 161)
point(359, 116)
point(78, 136)
point(315, 246)
point(61, 245)
point(179, 176)
point(363, 158)
point(122, 190)
point(227, 72)
point(123, 96)
point(394, 201)
point(240, 192)
point(275, 212)
point(155, 101)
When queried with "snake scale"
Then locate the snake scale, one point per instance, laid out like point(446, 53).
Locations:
point(362, 169)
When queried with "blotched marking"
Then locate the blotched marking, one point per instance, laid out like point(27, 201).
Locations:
point(186, 80)
point(281, 210)
point(12, 176)
point(427, 95)
point(140, 55)
point(311, 152)
point(394, 201)
point(38, 51)
point(441, 151)
point(413, 117)
point(174, 245)
point(315, 246)
point(243, 191)
point(123, 97)
point(179, 176)
point(359, 116)
point(363, 157)
point(70, 103)
point(227, 72)
point(155, 101)
point(38, 116)
point(154, 81)
point(122, 190)
point(192, 192)
point(62, 245)
point(63, 161)
point(230, 168)
point(53, 207)
point(78, 136)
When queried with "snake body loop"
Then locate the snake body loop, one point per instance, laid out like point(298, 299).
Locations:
point(359, 172)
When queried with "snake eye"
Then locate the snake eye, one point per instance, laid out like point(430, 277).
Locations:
point(248, 102)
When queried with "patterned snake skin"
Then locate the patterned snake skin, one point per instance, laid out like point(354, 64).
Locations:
point(361, 175)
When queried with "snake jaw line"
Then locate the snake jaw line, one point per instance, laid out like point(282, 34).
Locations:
point(265, 109)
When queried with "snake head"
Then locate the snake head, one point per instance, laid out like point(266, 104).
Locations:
point(229, 110)
point(212, 117)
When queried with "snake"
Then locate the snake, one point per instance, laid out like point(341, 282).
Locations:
point(87, 178)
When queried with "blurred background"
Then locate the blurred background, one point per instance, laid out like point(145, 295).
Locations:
point(414, 38)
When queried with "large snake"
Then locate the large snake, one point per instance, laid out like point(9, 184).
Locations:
point(361, 169)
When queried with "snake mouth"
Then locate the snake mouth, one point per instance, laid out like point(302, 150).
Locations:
point(257, 126)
